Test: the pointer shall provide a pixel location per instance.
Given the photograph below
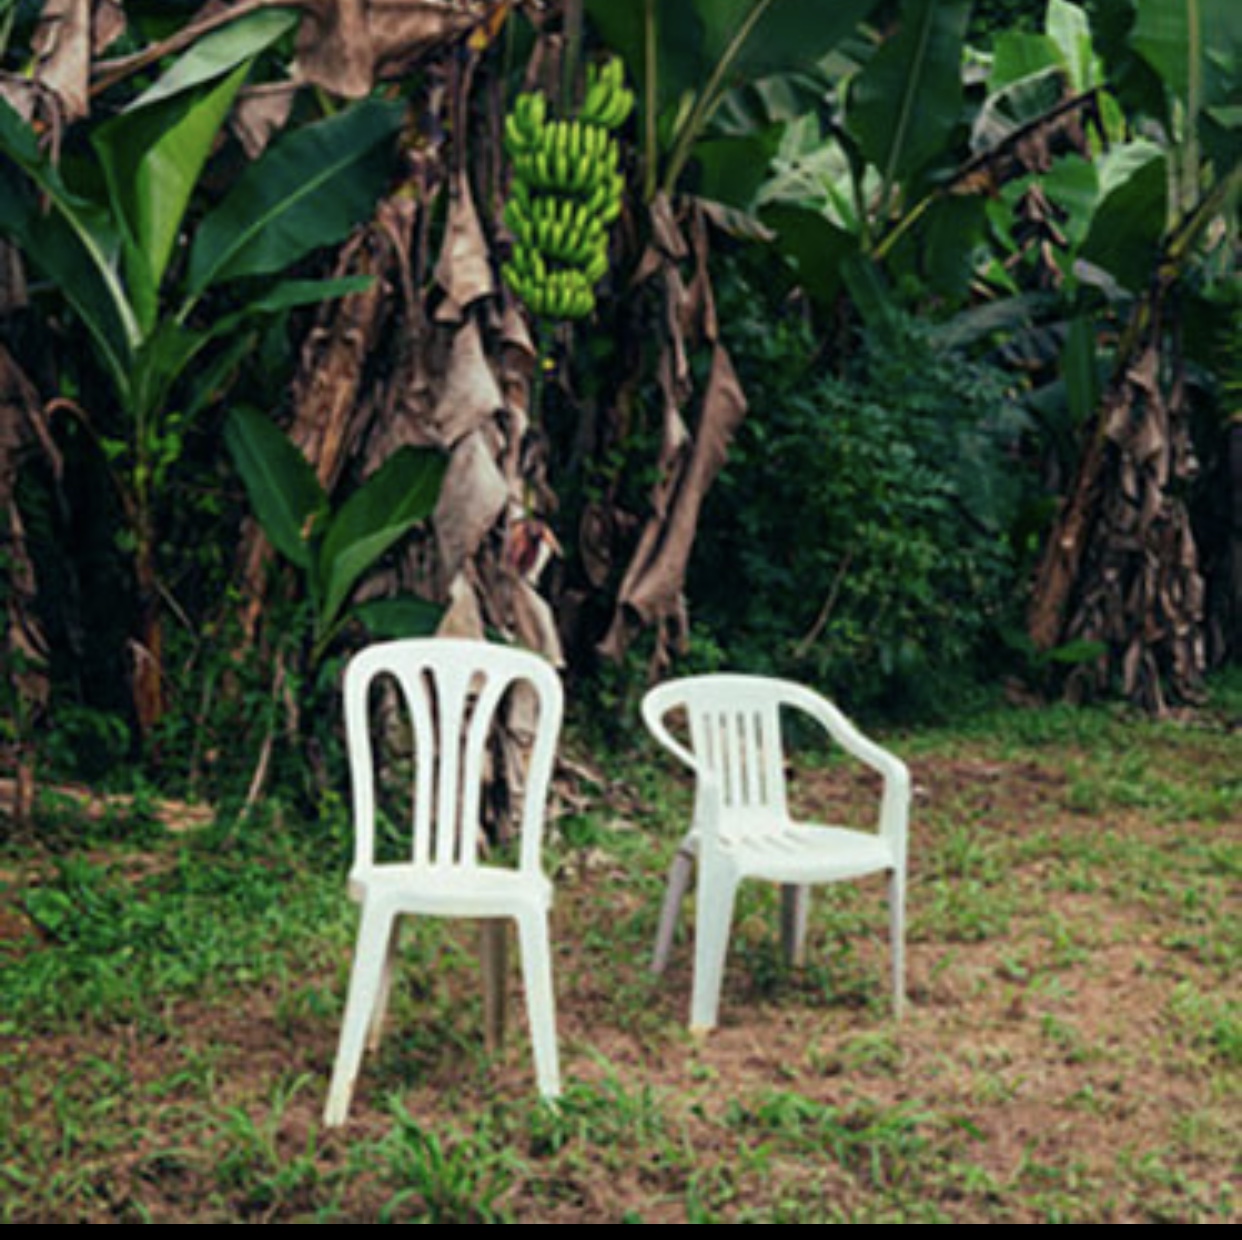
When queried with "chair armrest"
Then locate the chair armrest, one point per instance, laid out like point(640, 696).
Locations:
point(655, 708)
point(895, 802)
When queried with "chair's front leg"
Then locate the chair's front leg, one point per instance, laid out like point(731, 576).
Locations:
point(897, 937)
point(366, 983)
point(536, 951)
point(713, 921)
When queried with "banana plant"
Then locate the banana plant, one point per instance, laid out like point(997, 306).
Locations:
point(1178, 64)
point(334, 545)
point(687, 55)
point(113, 233)
point(847, 189)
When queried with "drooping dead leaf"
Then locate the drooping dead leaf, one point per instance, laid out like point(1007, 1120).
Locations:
point(473, 497)
point(26, 654)
point(69, 34)
point(261, 112)
point(651, 591)
point(1122, 568)
point(346, 46)
point(464, 270)
point(470, 394)
point(652, 588)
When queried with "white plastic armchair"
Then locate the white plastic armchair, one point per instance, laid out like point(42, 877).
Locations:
point(742, 825)
point(454, 692)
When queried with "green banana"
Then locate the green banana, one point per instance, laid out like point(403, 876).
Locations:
point(566, 189)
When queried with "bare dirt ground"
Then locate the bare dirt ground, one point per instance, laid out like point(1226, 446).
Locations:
point(1060, 1061)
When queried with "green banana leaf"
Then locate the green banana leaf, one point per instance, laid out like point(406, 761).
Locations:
point(280, 484)
point(71, 240)
point(405, 615)
point(1131, 218)
point(152, 160)
point(217, 53)
point(153, 153)
point(306, 191)
point(685, 55)
point(907, 100)
point(400, 494)
point(333, 548)
point(1195, 46)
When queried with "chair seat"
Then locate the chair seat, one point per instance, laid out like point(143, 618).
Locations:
point(457, 891)
point(805, 852)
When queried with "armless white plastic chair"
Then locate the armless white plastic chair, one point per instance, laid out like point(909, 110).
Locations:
point(730, 736)
point(454, 693)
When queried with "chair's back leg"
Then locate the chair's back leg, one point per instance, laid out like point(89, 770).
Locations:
point(795, 903)
point(674, 893)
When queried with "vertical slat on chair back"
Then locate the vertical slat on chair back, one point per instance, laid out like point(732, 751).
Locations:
point(452, 693)
point(735, 733)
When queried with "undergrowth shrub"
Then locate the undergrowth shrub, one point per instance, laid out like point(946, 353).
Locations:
point(859, 534)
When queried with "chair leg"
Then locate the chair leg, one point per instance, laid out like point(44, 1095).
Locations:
point(897, 938)
point(713, 921)
point(675, 892)
point(494, 959)
point(375, 1029)
point(795, 902)
point(366, 982)
point(540, 1000)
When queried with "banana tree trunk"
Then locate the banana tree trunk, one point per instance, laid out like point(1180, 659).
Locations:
point(25, 653)
point(1121, 567)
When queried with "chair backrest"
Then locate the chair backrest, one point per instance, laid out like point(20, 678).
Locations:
point(733, 722)
point(455, 694)
point(735, 748)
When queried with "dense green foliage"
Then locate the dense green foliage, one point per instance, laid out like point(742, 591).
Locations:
point(920, 354)
point(863, 533)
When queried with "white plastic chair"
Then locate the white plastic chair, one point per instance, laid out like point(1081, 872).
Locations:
point(742, 827)
point(453, 692)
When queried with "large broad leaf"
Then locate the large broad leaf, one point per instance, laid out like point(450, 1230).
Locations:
point(759, 37)
point(219, 52)
point(71, 240)
point(661, 42)
point(1195, 46)
point(732, 170)
point(405, 615)
point(815, 247)
point(306, 191)
point(907, 101)
point(1131, 219)
point(685, 55)
point(153, 152)
point(282, 488)
point(401, 493)
point(152, 159)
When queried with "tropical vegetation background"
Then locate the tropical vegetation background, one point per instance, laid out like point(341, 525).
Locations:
point(903, 356)
point(912, 361)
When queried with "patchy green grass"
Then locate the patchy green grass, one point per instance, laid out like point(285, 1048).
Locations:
point(169, 1004)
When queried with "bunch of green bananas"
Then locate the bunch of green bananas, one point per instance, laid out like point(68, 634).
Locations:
point(565, 191)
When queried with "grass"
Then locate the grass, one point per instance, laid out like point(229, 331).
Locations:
point(169, 1004)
